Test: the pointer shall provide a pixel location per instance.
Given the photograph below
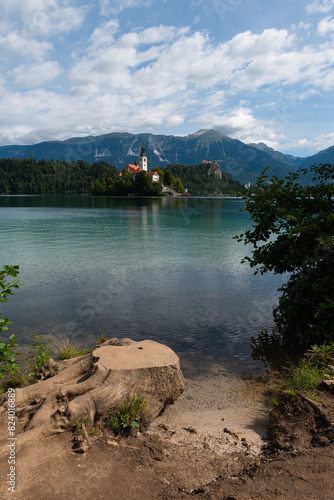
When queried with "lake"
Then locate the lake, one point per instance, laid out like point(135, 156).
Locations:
point(166, 269)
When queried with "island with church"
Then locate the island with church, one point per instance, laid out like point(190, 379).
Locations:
point(136, 180)
point(142, 167)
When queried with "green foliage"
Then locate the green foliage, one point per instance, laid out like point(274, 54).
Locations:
point(20, 378)
point(324, 351)
point(307, 374)
point(77, 425)
point(40, 351)
point(102, 338)
point(304, 377)
point(167, 177)
point(144, 186)
point(293, 232)
point(68, 349)
point(7, 289)
point(94, 431)
point(7, 355)
point(200, 181)
point(177, 185)
point(127, 415)
point(27, 176)
point(114, 185)
point(273, 401)
point(321, 357)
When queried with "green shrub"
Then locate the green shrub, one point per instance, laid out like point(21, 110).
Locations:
point(321, 356)
point(128, 415)
point(292, 234)
point(40, 351)
point(7, 355)
point(304, 377)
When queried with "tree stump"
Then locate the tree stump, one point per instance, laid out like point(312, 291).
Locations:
point(93, 385)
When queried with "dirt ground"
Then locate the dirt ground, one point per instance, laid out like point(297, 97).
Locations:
point(211, 444)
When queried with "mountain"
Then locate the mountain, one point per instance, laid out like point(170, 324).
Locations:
point(243, 161)
point(292, 161)
point(324, 156)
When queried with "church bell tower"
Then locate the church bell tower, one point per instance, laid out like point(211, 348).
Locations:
point(143, 158)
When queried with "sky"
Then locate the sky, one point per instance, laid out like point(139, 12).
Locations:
point(254, 70)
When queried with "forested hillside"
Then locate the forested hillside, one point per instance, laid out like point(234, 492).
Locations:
point(27, 176)
point(203, 180)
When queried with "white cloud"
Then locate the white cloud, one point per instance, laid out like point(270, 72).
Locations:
point(33, 76)
point(323, 141)
point(174, 122)
point(304, 26)
point(320, 6)
point(241, 124)
point(115, 6)
point(248, 45)
point(160, 77)
point(326, 26)
point(117, 66)
point(44, 17)
point(61, 20)
point(312, 146)
point(103, 36)
point(14, 42)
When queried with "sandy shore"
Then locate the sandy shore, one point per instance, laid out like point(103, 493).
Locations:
point(208, 444)
point(214, 399)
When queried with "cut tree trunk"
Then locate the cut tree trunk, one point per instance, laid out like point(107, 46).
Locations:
point(94, 384)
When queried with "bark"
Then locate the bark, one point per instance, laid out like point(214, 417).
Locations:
point(94, 384)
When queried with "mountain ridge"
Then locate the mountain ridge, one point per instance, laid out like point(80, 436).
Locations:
point(243, 161)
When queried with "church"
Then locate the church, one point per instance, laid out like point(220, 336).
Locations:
point(134, 169)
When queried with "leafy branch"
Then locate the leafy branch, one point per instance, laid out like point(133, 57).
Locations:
point(7, 355)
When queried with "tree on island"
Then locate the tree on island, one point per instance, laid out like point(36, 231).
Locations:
point(172, 181)
point(144, 186)
point(293, 233)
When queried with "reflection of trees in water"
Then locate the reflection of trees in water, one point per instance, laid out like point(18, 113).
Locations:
point(274, 350)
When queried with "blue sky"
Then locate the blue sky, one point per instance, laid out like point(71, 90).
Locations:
point(256, 71)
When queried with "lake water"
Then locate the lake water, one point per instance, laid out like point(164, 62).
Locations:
point(148, 268)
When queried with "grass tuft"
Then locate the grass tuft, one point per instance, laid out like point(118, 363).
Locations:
point(304, 377)
point(128, 415)
point(68, 349)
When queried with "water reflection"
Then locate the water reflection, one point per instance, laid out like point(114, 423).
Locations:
point(156, 268)
point(273, 350)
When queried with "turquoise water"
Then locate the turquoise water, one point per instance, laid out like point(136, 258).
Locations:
point(161, 269)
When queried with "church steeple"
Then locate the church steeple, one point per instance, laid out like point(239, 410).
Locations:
point(143, 158)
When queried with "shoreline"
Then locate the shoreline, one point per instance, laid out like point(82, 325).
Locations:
point(211, 442)
point(215, 399)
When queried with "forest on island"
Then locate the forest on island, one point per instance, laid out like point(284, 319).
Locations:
point(114, 184)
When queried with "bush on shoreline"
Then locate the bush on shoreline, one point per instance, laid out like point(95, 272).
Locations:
point(293, 235)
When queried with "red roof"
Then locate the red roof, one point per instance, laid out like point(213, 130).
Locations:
point(133, 169)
